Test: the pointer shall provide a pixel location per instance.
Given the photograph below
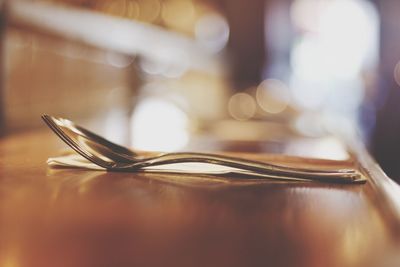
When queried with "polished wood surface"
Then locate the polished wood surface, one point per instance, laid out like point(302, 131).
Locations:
point(71, 217)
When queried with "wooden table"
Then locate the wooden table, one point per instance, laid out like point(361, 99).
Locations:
point(85, 218)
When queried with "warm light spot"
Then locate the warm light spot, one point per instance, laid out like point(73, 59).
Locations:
point(212, 30)
point(242, 106)
point(273, 96)
point(159, 125)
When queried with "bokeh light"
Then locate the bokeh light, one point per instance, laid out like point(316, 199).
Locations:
point(242, 106)
point(337, 44)
point(273, 96)
point(159, 125)
point(212, 30)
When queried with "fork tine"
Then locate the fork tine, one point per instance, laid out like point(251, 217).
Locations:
point(86, 154)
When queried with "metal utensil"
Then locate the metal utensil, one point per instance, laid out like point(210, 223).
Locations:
point(118, 158)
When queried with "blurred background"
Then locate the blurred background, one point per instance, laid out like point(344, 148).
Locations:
point(282, 76)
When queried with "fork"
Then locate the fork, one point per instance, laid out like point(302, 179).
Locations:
point(114, 157)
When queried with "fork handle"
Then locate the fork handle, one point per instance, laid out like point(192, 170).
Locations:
point(250, 165)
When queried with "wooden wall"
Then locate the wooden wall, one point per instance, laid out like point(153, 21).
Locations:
point(44, 75)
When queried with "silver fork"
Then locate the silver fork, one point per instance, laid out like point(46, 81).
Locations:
point(118, 158)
